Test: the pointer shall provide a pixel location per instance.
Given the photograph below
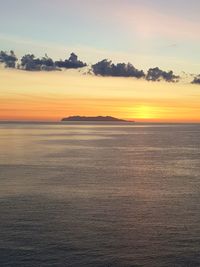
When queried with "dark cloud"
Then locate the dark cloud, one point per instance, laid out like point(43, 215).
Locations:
point(104, 67)
point(9, 59)
point(29, 62)
point(196, 79)
point(156, 74)
point(107, 68)
point(71, 63)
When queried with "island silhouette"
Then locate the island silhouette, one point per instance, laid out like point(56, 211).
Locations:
point(96, 118)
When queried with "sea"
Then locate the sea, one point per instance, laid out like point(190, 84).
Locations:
point(99, 195)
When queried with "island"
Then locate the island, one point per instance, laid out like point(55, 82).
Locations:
point(97, 118)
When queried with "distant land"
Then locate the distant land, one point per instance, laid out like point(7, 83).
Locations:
point(97, 118)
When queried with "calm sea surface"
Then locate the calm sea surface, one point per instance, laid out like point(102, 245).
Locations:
point(99, 195)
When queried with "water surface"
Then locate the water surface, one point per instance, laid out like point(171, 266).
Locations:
point(84, 194)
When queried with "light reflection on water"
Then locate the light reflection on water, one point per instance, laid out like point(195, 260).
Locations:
point(99, 195)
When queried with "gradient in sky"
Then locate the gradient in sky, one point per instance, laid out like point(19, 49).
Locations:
point(147, 33)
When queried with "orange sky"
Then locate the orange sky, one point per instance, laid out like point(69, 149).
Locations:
point(53, 95)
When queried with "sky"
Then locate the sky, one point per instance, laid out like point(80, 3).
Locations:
point(147, 33)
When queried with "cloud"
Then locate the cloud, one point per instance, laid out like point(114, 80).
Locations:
point(8, 58)
point(156, 74)
point(104, 67)
point(71, 63)
point(29, 62)
point(107, 68)
point(196, 79)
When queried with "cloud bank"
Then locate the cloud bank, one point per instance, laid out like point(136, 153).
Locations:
point(104, 67)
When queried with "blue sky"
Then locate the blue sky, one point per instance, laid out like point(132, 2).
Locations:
point(147, 33)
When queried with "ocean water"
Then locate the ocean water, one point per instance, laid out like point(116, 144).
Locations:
point(99, 195)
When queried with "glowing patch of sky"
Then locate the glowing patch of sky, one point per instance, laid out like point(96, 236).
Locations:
point(53, 95)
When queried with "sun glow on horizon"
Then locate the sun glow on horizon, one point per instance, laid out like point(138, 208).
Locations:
point(144, 112)
point(51, 96)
